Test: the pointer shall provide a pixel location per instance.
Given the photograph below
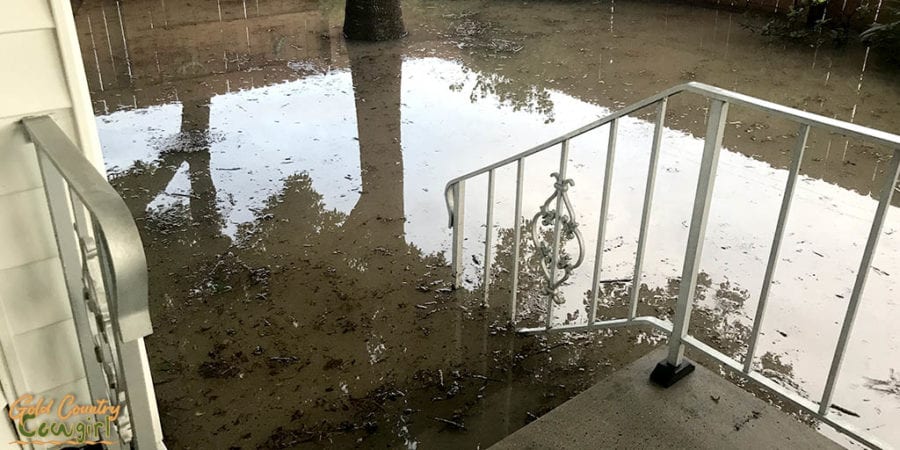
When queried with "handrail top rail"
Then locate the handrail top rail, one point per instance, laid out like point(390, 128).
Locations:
point(803, 117)
point(674, 366)
point(128, 262)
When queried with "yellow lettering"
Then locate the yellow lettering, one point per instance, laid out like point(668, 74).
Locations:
point(19, 407)
point(67, 401)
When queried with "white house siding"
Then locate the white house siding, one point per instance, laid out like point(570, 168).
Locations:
point(41, 73)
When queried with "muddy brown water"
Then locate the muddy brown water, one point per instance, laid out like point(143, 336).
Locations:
point(289, 190)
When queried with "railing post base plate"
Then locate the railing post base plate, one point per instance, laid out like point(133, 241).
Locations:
point(666, 375)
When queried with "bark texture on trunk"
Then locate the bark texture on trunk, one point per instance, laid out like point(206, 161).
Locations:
point(816, 13)
point(373, 20)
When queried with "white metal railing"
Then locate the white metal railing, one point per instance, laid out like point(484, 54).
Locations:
point(106, 279)
point(675, 366)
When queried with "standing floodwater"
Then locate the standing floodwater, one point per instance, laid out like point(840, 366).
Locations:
point(289, 190)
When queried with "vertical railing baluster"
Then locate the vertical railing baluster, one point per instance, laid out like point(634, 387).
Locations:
point(557, 229)
point(648, 203)
point(718, 112)
point(788, 196)
point(57, 194)
point(520, 176)
point(884, 204)
point(459, 210)
point(604, 211)
point(132, 370)
point(144, 415)
point(95, 292)
point(488, 237)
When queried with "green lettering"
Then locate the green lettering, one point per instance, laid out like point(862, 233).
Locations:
point(60, 428)
point(23, 429)
point(96, 430)
point(81, 431)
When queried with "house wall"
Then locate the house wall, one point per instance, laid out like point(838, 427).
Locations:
point(42, 74)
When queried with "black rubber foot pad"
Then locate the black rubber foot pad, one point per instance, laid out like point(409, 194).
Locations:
point(665, 374)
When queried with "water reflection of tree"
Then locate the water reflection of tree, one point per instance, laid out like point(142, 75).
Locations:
point(717, 319)
point(719, 314)
point(518, 96)
point(376, 71)
point(284, 301)
point(530, 300)
point(376, 222)
point(307, 214)
point(143, 183)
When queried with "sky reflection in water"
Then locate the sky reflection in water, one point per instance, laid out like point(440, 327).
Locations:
point(258, 137)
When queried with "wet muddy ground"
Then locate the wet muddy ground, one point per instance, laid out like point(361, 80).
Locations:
point(289, 190)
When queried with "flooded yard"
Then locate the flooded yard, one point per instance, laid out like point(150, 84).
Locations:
point(289, 188)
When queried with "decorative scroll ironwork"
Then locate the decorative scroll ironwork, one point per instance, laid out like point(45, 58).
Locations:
point(104, 333)
point(568, 230)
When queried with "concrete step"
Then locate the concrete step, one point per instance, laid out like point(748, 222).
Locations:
point(702, 411)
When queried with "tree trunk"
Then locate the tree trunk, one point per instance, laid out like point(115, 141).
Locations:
point(816, 13)
point(373, 20)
